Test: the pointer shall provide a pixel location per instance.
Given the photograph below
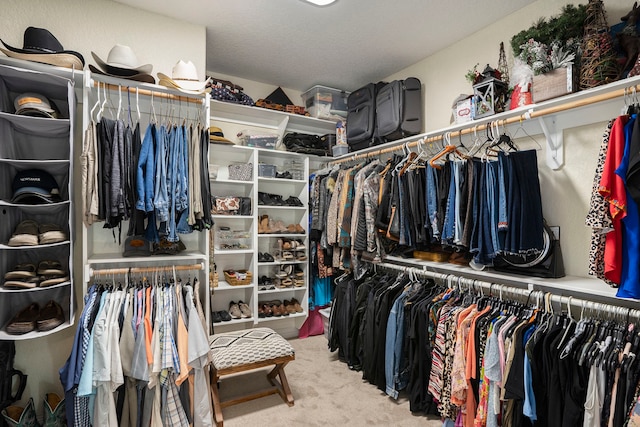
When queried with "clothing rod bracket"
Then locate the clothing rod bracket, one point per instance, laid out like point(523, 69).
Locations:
point(555, 142)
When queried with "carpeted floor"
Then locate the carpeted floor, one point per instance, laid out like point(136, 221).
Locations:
point(326, 393)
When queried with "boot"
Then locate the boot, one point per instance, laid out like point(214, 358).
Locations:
point(54, 411)
point(17, 416)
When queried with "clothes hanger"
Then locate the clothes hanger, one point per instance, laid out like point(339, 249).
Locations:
point(97, 104)
point(523, 130)
point(119, 102)
point(448, 149)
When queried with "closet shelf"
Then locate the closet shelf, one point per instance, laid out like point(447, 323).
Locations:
point(300, 235)
point(232, 181)
point(282, 180)
point(260, 264)
point(116, 258)
point(550, 118)
point(569, 285)
point(6, 203)
point(280, 290)
point(50, 245)
point(233, 252)
point(232, 216)
point(295, 208)
point(224, 286)
point(35, 163)
point(33, 334)
point(24, 122)
point(19, 291)
point(273, 318)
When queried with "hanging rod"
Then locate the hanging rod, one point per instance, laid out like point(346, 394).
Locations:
point(527, 115)
point(107, 271)
point(149, 92)
point(498, 288)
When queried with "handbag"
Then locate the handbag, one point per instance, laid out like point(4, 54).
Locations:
point(241, 172)
point(225, 205)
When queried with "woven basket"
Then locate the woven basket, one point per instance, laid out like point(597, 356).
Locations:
point(233, 281)
point(213, 278)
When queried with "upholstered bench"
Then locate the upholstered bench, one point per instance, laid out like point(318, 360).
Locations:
point(246, 350)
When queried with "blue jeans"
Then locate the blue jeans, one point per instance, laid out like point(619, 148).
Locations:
point(448, 230)
point(432, 202)
point(146, 171)
point(161, 196)
point(172, 176)
point(393, 348)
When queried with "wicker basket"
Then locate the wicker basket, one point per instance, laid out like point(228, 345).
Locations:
point(233, 281)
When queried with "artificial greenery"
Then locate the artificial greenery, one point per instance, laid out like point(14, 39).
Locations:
point(562, 28)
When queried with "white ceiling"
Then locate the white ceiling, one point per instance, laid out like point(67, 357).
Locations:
point(294, 44)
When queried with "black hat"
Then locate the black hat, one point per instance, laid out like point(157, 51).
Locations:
point(41, 46)
point(34, 187)
point(136, 246)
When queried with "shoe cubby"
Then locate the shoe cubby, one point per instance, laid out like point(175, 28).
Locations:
point(36, 141)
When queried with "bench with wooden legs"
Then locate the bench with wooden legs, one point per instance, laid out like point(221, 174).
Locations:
point(246, 350)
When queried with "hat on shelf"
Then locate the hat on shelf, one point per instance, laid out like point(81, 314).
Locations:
point(184, 77)
point(136, 246)
point(41, 46)
point(34, 187)
point(216, 136)
point(122, 62)
point(34, 104)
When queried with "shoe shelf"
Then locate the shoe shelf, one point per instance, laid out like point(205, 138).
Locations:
point(44, 143)
point(282, 180)
point(233, 251)
point(234, 322)
point(231, 217)
point(224, 286)
point(287, 208)
point(290, 316)
point(280, 290)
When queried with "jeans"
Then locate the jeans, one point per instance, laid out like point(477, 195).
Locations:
point(161, 196)
point(146, 171)
point(175, 143)
point(450, 211)
point(393, 347)
point(432, 202)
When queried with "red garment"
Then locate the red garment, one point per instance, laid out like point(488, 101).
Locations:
point(613, 190)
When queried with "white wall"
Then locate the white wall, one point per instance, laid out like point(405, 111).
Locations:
point(85, 26)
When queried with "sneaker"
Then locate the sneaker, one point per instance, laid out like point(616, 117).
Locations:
point(25, 234)
point(234, 310)
point(244, 309)
point(225, 316)
point(215, 317)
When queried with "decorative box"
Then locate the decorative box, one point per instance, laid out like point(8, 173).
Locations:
point(462, 111)
point(552, 84)
point(241, 172)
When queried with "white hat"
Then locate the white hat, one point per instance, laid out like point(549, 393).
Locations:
point(184, 78)
point(34, 104)
point(122, 61)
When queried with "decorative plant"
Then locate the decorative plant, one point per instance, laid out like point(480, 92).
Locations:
point(553, 43)
point(473, 74)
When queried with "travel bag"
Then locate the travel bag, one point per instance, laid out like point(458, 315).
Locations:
point(399, 109)
point(361, 116)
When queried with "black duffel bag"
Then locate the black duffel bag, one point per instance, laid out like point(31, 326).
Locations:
point(306, 144)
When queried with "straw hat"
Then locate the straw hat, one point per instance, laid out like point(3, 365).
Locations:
point(184, 77)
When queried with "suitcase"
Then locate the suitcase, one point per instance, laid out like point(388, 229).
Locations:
point(399, 109)
point(361, 116)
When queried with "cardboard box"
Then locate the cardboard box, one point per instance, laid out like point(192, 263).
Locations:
point(463, 112)
point(552, 84)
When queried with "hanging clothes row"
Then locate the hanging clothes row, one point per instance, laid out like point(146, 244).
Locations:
point(474, 358)
point(160, 179)
point(139, 355)
point(474, 206)
point(613, 215)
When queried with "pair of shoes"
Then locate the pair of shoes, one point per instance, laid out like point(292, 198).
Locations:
point(26, 276)
point(268, 199)
point(265, 225)
point(296, 305)
point(220, 316)
point(265, 284)
point(265, 257)
point(33, 318)
point(295, 228)
point(54, 413)
point(239, 310)
point(273, 308)
point(289, 307)
point(30, 233)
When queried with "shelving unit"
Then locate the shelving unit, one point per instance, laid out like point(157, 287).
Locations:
point(36, 143)
point(233, 118)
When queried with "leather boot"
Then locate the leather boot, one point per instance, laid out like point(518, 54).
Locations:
point(54, 411)
point(17, 416)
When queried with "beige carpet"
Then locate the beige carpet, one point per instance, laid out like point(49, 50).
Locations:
point(326, 393)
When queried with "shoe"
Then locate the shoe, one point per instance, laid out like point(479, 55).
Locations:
point(266, 309)
point(293, 201)
point(215, 317)
point(275, 307)
point(225, 316)
point(296, 305)
point(50, 317)
point(50, 268)
point(50, 233)
point(289, 307)
point(234, 310)
point(284, 175)
point(17, 416)
point(261, 257)
point(263, 225)
point(277, 200)
point(299, 229)
point(244, 310)
point(24, 321)
point(261, 314)
point(23, 283)
point(53, 279)
point(54, 411)
point(268, 257)
point(21, 271)
point(25, 234)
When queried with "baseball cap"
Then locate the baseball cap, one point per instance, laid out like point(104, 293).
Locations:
point(136, 246)
point(34, 104)
point(34, 187)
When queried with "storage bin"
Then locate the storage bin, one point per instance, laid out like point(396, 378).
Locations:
point(325, 313)
point(266, 171)
point(251, 138)
point(296, 168)
point(324, 102)
point(339, 150)
point(241, 172)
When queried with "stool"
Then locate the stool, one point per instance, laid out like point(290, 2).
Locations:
point(246, 350)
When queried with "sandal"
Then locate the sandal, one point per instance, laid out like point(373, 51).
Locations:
point(53, 279)
point(287, 256)
point(301, 256)
point(23, 283)
point(21, 271)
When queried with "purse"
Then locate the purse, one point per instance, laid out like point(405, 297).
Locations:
point(225, 205)
point(241, 172)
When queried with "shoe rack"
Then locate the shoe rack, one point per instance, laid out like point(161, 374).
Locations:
point(45, 144)
point(285, 222)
